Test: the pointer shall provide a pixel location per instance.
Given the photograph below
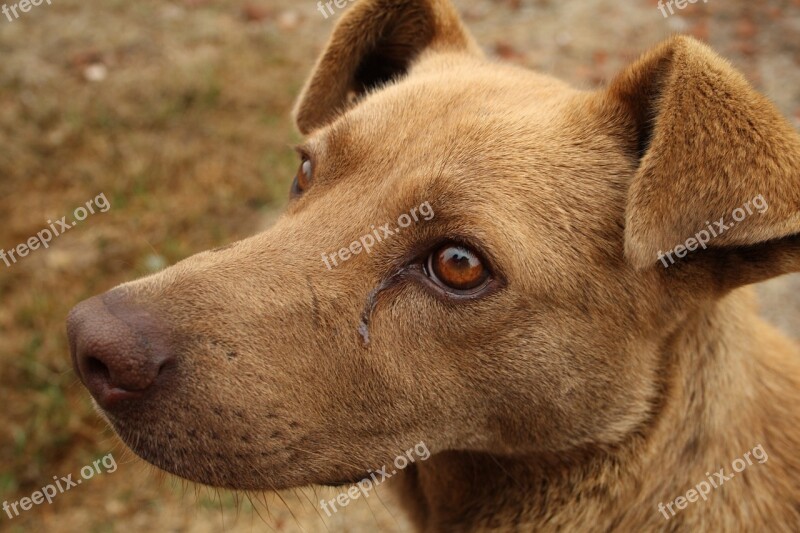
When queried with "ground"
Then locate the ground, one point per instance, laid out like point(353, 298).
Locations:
point(178, 113)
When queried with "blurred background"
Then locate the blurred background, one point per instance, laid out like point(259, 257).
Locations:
point(178, 112)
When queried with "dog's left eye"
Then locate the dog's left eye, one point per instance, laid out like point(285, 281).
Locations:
point(457, 268)
point(303, 178)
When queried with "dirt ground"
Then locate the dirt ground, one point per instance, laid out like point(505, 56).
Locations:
point(178, 112)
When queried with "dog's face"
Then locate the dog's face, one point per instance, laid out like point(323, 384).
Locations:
point(503, 316)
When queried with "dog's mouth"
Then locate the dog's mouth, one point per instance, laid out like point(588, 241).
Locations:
point(346, 482)
point(203, 456)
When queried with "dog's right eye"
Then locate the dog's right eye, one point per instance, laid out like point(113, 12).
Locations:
point(302, 179)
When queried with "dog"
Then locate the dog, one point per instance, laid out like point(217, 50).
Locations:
point(561, 375)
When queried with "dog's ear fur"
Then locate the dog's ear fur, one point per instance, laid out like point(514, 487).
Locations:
point(706, 143)
point(376, 41)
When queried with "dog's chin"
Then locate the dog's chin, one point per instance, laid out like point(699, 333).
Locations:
point(223, 466)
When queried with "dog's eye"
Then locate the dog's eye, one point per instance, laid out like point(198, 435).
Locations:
point(303, 178)
point(458, 268)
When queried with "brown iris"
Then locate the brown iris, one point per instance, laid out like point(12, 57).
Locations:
point(302, 180)
point(457, 267)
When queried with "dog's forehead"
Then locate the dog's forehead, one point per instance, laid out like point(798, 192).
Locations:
point(460, 100)
point(450, 114)
point(454, 123)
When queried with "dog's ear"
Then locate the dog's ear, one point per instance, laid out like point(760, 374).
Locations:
point(706, 144)
point(375, 42)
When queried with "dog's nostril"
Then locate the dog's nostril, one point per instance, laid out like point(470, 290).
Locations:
point(95, 367)
point(119, 350)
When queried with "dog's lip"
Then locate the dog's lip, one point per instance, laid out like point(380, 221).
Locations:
point(116, 394)
point(109, 397)
point(343, 483)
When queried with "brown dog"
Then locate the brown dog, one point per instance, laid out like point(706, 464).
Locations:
point(573, 350)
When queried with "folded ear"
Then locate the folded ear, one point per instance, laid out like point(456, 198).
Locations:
point(376, 41)
point(708, 147)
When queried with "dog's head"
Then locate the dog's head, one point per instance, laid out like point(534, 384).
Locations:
point(473, 257)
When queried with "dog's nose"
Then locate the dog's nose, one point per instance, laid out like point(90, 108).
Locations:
point(118, 350)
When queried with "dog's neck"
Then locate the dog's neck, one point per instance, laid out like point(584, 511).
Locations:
point(716, 405)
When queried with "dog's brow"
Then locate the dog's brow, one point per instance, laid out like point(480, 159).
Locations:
point(315, 144)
